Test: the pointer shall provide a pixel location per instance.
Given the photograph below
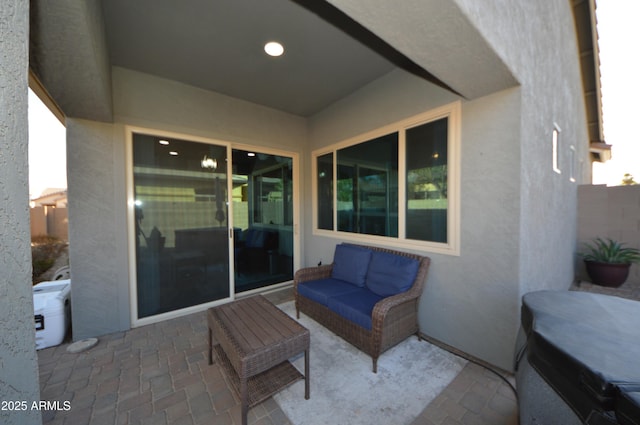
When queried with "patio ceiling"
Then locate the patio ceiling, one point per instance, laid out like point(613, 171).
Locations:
point(332, 48)
point(218, 46)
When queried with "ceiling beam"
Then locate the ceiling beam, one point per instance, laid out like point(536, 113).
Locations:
point(436, 36)
point(68, 55)
point(348, 25)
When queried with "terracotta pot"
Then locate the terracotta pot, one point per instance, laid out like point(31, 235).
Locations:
point(607, 274)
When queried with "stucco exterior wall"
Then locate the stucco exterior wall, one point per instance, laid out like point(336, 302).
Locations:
point(97, 169)
point(147, 101)
point(518, 214)
point(470, 301)
point(538, 41)
point(18, 359)
point(71, 33)
point(473, 299)
point(440, 38)
point(38, 220)
point(48, 220)
point(97, 229)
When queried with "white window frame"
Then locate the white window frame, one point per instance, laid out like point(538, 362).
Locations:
point(129, 131)
point(555, 147)
point(450, 111)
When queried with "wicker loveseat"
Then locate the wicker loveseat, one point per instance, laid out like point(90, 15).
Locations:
point(368, 296)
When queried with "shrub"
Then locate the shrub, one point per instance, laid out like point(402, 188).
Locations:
point(44, 251)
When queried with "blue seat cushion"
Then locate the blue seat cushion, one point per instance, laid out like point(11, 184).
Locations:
point(350, 264)
point(322, 289)
point(355, 306)
point(390, 274)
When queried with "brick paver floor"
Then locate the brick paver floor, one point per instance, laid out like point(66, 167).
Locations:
point(158, 374)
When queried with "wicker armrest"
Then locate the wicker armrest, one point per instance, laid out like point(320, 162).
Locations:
point(312, 273)
point(383, 307)
point(386, 304)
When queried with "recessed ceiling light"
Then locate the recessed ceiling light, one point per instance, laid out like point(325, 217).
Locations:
point(273, 48)
point(173, 153)
point(251, 154)
point(163, 142)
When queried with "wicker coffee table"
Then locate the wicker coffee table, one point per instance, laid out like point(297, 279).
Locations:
point(253, 341)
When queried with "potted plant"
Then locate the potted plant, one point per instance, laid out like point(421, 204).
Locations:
point(608, 261)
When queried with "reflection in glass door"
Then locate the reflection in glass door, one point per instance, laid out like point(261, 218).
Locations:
point(181, 220)
point(262, 219)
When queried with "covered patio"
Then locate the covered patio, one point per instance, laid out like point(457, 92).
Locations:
point(514, 85)
point(159, 374)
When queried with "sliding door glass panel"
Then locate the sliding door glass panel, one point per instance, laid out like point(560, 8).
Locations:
point(262, 219)
point(324, 166)
point(181, 215)
point(367, 186)
point(427, 201)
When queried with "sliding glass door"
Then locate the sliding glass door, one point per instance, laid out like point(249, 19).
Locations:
point(181, 223)
point(262, 219)
point(209, 222)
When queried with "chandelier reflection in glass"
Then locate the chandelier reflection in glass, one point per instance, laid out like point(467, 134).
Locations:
point(209, 163)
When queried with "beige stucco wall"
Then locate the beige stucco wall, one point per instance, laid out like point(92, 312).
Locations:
point(476, 292)
point(538, 41)
point(517, 214)
point(38, 219)
point(18, 359)
point(97, 229)
point(97, 179)
point(52, 221)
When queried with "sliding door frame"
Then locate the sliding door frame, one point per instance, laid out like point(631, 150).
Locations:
point(131, 226)
point(296, 183)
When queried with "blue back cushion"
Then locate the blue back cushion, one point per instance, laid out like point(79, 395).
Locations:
point(350, 263)
point(390, 274)
point(255, 238)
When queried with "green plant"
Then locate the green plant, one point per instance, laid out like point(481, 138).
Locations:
point(44, 251)
point(610, 251)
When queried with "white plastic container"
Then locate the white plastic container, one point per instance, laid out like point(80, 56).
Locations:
point(52, 311)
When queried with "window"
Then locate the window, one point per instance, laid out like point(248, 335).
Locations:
point(398, 183)
point(272, 197)
point(367, 187)
point(555, 147)
point(426, 159)
point(324, 200)
point(262, 194)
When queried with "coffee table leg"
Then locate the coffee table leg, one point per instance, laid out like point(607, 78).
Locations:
point(244, 400)
point(306, 374)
